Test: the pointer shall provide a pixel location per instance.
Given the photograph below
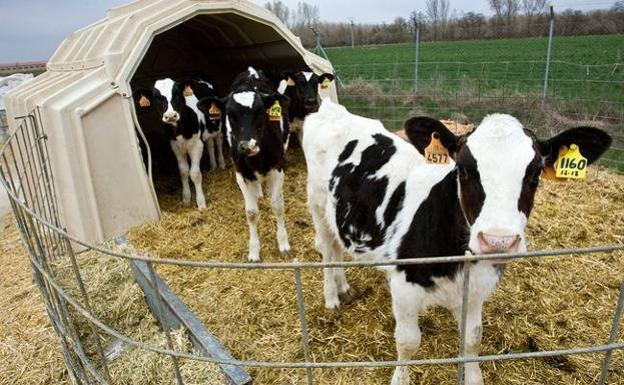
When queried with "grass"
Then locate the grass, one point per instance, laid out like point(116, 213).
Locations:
point(469, 79)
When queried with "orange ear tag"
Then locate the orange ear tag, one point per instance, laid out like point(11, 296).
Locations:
point(549, 172)
point(275, 112)
point(188, 91)
point(214, 112)
point(571, 164)
point(290, 82)
point(144, 102)
point(326, 83)
point(435, 152)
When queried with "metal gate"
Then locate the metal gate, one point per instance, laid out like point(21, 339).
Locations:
point(26, 174)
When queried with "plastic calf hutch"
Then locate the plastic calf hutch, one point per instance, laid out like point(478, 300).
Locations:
point(84, 97)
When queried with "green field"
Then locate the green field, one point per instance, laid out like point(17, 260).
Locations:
point(468, 79)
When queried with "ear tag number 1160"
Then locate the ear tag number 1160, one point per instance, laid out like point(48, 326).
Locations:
point(571, 164)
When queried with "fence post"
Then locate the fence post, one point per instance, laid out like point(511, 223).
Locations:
point(352, 35)
point(416, 58)
point(301, 309)
point(548, 54)
point(612, 336)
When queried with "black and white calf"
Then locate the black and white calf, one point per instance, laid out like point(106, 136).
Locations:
point(373, 195)
point(185, 124)
point(303, 89)
point(195, 90)
point(254, 123)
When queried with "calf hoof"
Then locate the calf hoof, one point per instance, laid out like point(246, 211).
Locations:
point(348, 295)
point(332, 305)
point(253, 257)
point(401, 376)
point(284, 249)
point(186, 202)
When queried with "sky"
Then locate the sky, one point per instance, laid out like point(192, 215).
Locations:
point(32, 30)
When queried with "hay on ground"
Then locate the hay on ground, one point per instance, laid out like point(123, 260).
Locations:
point(539, 305)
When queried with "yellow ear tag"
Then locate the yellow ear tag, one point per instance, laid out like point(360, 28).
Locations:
point(144, 102)
point(326, 83)
point(290, 82)
point(214, 112)
point(435, 152)
point(571, 164)
point(275, 112)
point(188, 91)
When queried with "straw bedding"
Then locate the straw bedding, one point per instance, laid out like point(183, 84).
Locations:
point(539, 305)
point(29, 349)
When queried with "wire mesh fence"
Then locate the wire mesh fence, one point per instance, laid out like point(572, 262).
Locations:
point(26, 174)
point(558, 77)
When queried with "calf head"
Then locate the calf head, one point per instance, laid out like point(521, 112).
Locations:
point(149, 99)
point(498, 167)
point(189, 92)
point(304, 86)
point(248, 116)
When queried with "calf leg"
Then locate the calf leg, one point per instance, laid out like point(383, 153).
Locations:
point(276, 188)
point(184, 168)
point(249, 190)
point(196, 176)
point(474, 328)
point(406, 300)
point(210, 142)
point(329, 248)
point(220, 159)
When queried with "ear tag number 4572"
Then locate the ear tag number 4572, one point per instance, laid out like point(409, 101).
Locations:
point(571, 164)
point(435, 152)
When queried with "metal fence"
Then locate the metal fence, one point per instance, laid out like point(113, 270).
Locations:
point(26, 174)
point(557, 78)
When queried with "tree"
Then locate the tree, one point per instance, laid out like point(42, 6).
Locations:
point(472, 25)
point(280, 10)
point(437, 11)
point(505, 13)
point(531, 9)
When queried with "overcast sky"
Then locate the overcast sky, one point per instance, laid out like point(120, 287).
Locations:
point(32, 29)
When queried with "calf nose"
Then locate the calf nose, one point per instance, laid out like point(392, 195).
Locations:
point(248, 148)
point(498, 242)
point(171, 117)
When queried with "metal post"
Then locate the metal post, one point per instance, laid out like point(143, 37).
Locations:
point(163, 322)
point(416, 58)
point(462, 322)
point(302, 320)
point(549, 53)
point(352, 35)
point(612, 336)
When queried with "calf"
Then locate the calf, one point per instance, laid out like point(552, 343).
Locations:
point(373, 195)
point(185, 124)
point(194, 90)
point(254, 123)
point(303, 90)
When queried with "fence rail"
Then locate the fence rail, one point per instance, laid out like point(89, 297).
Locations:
point(26, 174)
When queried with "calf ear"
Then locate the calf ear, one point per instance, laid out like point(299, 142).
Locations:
point(325, 76)
point(269, 99)
point(287, 74)
point(205, 103)
point(419, 130)
point(592, 143)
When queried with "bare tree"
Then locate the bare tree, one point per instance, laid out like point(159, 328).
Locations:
point(532, 8)
point(438, 12)
point(505, 14)
point(280, 10)
point(307, 15)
